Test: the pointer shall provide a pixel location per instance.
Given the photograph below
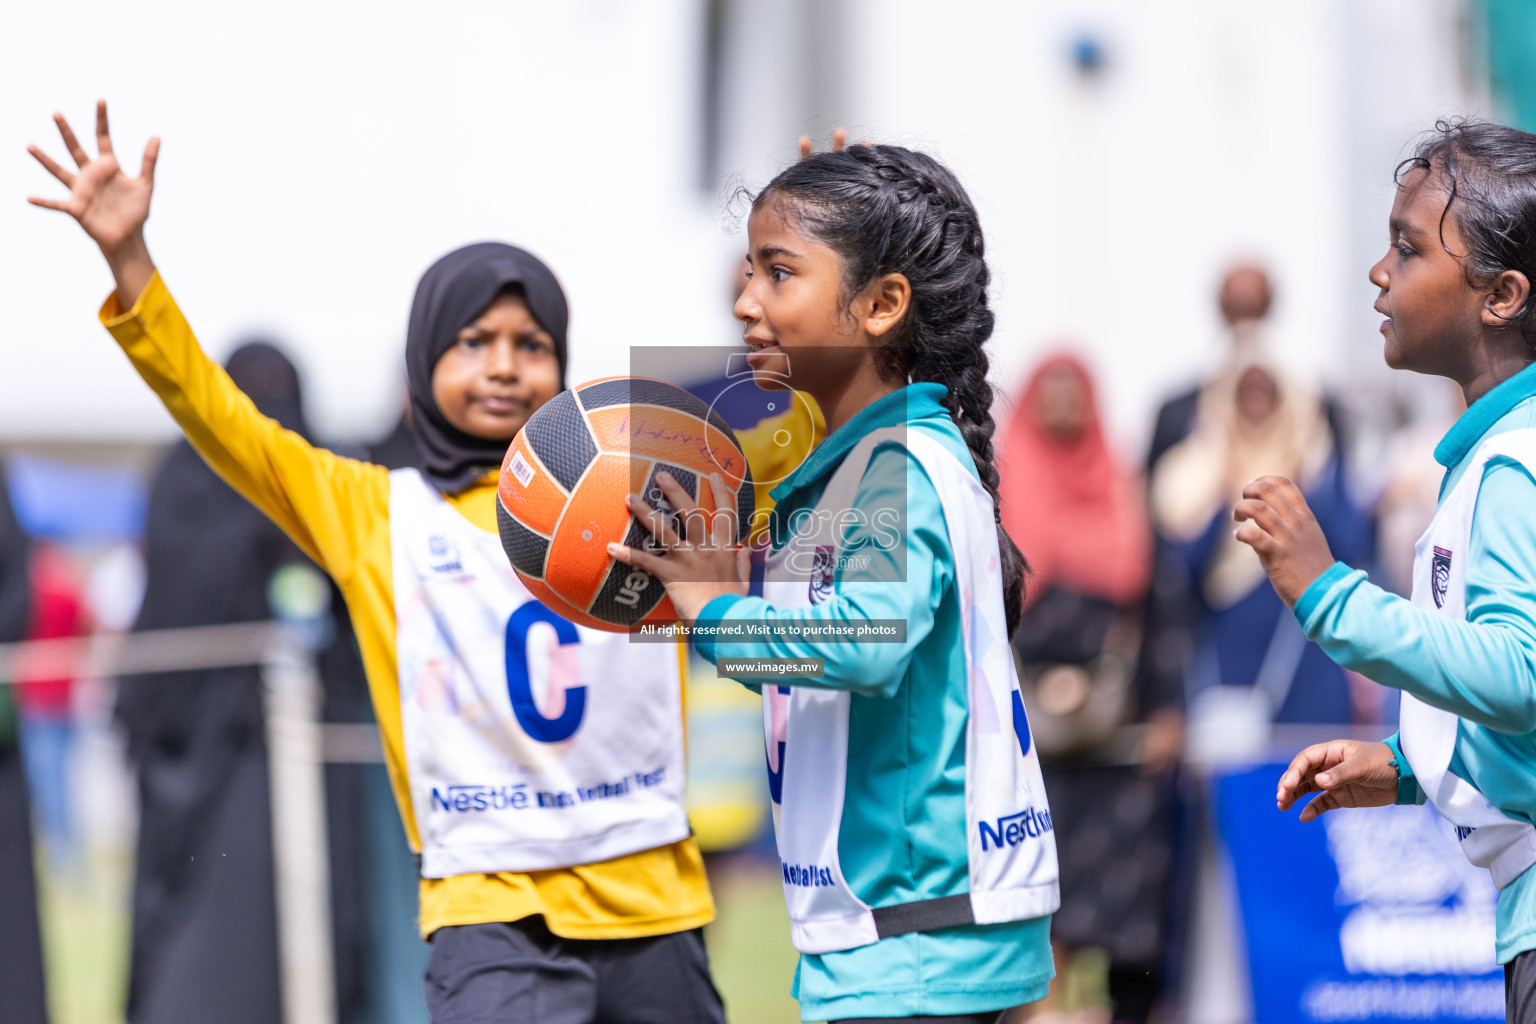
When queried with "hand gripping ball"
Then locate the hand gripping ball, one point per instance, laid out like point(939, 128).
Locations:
point(560, 500)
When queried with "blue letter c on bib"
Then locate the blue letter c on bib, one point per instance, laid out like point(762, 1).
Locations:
point(519, 687)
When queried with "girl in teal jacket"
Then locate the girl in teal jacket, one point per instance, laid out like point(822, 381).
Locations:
point(1455, 286)
point(918, 862)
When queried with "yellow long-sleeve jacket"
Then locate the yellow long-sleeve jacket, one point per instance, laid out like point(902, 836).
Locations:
point(337, 510)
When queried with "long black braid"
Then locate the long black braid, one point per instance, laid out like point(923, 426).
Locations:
point(884, 210)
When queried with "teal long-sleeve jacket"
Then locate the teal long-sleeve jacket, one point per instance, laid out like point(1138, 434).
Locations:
point(902, 836)
point(1482, 669)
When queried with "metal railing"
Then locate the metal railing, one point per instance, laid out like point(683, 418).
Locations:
point(298, 747)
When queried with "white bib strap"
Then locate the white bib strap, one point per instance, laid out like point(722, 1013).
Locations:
point(1489, 838)
point(1011, 853)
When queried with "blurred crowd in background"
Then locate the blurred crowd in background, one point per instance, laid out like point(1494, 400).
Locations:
point(1152, 644)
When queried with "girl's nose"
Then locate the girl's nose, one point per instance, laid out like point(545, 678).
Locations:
point(746, 309)
point(1378, 275)
point(501, 360)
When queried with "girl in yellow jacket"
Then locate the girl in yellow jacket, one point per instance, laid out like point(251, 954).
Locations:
point(538, 766)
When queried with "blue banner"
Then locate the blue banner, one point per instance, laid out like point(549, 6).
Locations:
point(1369, 914)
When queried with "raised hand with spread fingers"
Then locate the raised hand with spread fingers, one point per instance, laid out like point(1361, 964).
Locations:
point(108, 204)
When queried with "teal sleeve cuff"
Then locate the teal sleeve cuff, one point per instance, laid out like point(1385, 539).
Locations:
point(716, 610)
point(1318, 589)
point(1408, 789)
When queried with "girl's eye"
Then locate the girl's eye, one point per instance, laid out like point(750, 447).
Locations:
point(1403, 249)
point(780, 274)
point(534, 345)
point(471, 340)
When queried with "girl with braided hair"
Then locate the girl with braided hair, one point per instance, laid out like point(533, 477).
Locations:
point(918, 860)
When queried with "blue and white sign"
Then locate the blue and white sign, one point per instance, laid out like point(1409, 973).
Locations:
point(1369, 914)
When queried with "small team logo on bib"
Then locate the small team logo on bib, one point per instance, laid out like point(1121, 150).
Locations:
point(1439, 575)
point(821, 574)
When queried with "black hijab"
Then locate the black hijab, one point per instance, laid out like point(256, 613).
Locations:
point(451, 294)
point(261, 370)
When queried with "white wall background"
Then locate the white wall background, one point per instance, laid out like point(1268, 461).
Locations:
point(1217, 130)
point(318, 156)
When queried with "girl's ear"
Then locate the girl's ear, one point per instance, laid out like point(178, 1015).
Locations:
point(1508, 295)
point(883, 303)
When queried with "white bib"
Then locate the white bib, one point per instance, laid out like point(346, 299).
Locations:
point(530, 742)
point(1010, 847)
point(1490, 839)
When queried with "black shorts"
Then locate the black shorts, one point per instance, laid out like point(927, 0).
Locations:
point(521, 971)
point(1520, 989)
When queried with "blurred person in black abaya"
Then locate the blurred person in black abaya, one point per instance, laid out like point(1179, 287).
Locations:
point(21, 956)
point(204, 933)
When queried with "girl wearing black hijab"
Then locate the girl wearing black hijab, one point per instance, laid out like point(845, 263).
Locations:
point(538, 766)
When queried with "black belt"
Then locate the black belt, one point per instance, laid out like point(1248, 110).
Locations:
point(904, 918)
point(923, 916)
